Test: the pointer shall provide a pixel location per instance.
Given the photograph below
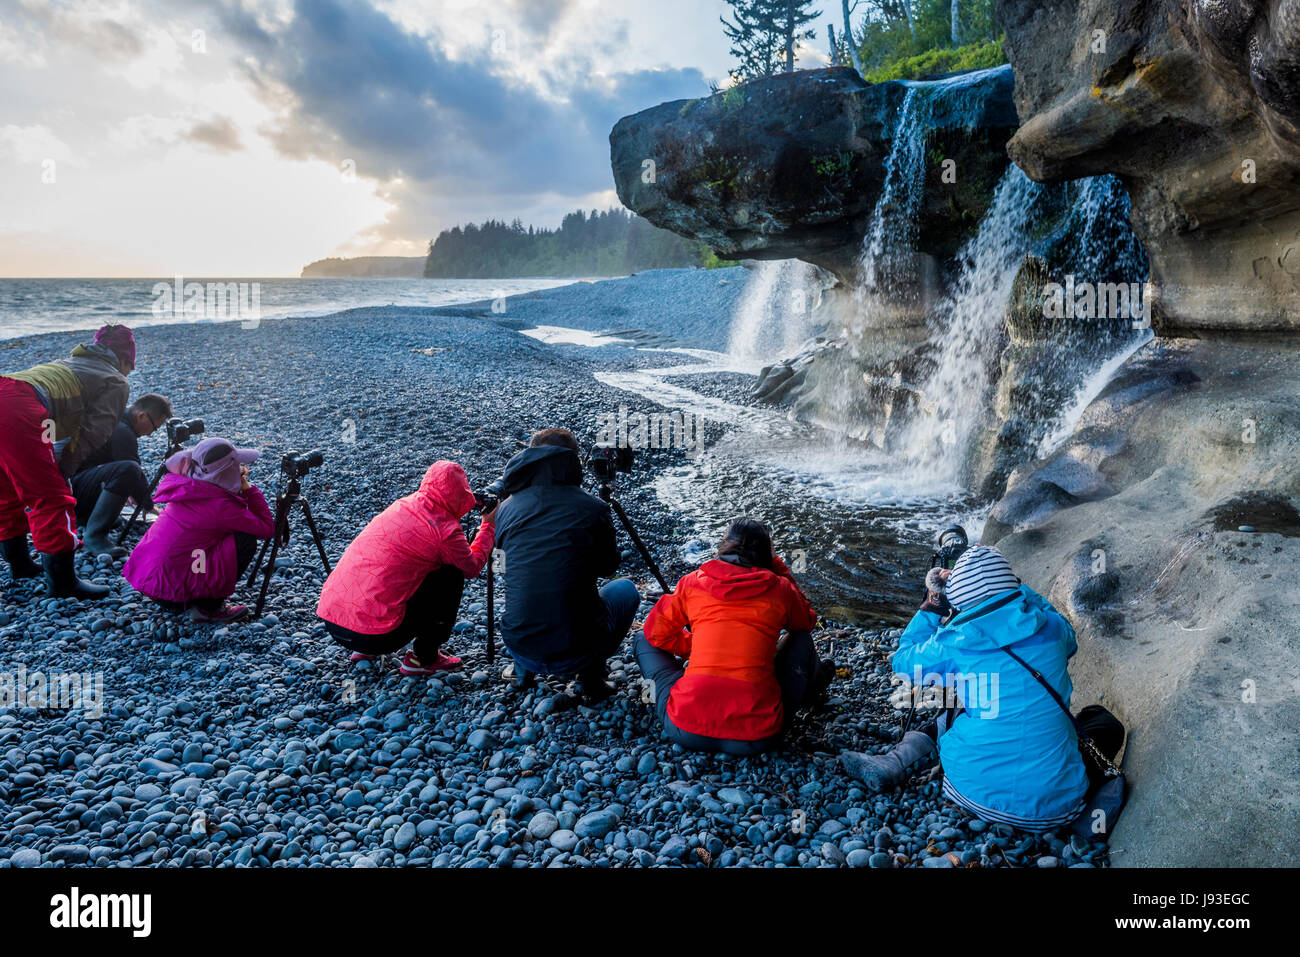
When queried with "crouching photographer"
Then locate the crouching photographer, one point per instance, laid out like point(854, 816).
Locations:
point(557, 540)
point(401, 580)
point(112, 474)
point(1011, 750)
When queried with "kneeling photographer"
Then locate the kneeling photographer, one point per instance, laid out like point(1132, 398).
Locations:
point(112, 474)
point(400, 581)
point(191, 558)
point(557, 540)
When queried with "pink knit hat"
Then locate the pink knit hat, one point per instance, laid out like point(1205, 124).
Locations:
point(120, 340)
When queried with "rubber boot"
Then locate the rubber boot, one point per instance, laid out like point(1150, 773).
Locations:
point(95, 536)
point(61, 579)
point(883, 772)
point(19, 558)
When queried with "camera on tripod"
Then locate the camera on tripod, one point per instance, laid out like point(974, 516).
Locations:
point(179, 431)
point(296, 465)
point(605, 462)
point(490, 497)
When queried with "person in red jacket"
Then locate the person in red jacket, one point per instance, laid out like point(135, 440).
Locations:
point(741, 680)
point(401, 579)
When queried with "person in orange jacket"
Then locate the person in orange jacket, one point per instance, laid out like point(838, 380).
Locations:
point(741, 681)
point(401, 579)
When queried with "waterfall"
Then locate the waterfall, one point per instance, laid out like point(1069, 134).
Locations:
point(887, 246)
point(968, 329)
point(774, 317)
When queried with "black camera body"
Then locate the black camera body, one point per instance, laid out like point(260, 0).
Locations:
point(180, 431)
point(490, 497)
point(605, 462)
point(296, 465)
point(952, 543)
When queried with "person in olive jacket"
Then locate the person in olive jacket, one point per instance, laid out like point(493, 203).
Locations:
point(52, 416)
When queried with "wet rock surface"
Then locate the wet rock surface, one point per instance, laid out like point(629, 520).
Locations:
point(1197, 107)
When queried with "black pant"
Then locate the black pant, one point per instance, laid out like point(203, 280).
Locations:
point(245, 549)
point(796, 667)
point(121, 478)
point(430, 617)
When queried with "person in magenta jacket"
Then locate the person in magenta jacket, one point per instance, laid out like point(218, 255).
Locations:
point(212, 518)
point(401, 579)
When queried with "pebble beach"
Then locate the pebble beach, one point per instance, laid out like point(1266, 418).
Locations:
point(257, 744)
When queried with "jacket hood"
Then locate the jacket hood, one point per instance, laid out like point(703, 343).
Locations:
point(1003, 619)
point(96, 351)
point(727, 581)
point(182, 488)
point(542, 465)
point(446, 488)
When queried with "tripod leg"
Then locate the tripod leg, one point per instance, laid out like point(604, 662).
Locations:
point(491, 613)
point(268, 571)
point(257, 562)
point(139, 508)
point(640, 545)
point(311, 524)
point(121, 539)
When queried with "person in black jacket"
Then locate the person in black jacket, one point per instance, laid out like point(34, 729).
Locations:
point(112, 473)
point(556, 540)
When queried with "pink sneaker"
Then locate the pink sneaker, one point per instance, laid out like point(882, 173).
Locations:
point(361, 656)
point(412, 666)
point(226, 612)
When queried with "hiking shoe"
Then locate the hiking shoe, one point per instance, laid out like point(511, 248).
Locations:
point(361, 656)
point(226, 612)
point(413, 667)
point(519, 678)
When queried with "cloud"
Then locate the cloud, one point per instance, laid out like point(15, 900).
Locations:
point(349, 83)
point(218, 133)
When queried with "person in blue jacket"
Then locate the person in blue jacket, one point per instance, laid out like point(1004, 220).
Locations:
point(1010, 754)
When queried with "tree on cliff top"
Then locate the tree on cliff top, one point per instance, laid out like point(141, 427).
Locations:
point(764, 34)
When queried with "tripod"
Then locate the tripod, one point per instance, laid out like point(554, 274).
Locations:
point(284, 502)
point(607, 494)
point(172, 449)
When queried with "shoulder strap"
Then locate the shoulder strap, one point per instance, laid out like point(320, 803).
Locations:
point(1050, 690)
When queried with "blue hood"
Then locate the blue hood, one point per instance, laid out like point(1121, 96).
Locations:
point(1001, 620)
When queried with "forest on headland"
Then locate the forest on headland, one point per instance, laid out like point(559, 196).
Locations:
point(610, 243)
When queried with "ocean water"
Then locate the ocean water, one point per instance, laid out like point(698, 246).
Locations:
point(34, 306)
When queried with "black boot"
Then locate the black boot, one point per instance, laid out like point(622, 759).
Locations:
point(592, 684)
point(99, 526)
point(61, 579)
point(19, 558)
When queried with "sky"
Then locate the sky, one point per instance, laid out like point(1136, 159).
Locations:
point(251, 137)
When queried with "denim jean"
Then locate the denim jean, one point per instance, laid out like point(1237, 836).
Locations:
point(795, 665)
point(621, 600)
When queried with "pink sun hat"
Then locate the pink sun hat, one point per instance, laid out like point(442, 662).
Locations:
point(214, 460)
